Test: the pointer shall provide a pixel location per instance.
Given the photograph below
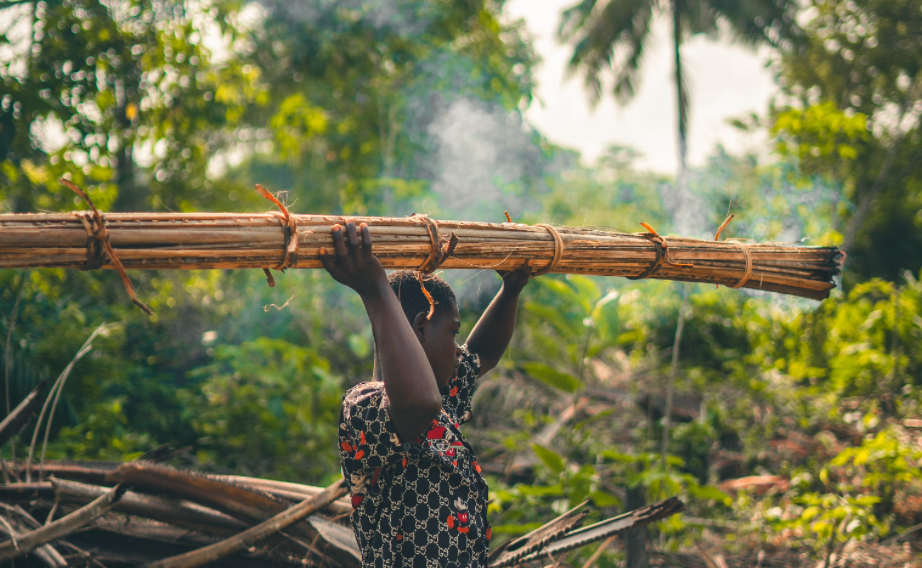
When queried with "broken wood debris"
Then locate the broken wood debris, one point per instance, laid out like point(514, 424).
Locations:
point(142, 513)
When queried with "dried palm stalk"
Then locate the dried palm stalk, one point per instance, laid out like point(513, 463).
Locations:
point(280, 240)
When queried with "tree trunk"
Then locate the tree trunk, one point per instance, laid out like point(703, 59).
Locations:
point(681, 97)
point(635, 541)
point(132, 196)
point(670, 385)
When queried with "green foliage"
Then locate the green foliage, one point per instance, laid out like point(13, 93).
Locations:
point(550, 376)
point(882, 464)
point(820, 134)
point(850, 498)
point(829, 520)
point(266, 407)
point(103, 433)
point(858, 60)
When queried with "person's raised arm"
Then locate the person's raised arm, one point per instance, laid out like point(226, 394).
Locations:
point(412, 392)
point(491, 335)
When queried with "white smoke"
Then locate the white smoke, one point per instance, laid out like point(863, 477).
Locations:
point(691, 214)
point(385, 15)
point(484, 160)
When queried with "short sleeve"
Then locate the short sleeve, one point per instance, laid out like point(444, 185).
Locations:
point(367, 439)
point(461, 388)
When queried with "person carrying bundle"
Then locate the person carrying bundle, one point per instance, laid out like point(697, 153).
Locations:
point(419, 497)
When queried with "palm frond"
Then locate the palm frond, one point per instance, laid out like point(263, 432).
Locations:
point(608, 38)
point(754, 22)
point(700, 18)
point(574, 18)
point(628, 79)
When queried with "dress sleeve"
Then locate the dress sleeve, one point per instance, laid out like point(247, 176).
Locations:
point(367, 439)
point(461, 388)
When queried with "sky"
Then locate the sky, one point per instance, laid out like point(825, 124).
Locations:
point(726, 81)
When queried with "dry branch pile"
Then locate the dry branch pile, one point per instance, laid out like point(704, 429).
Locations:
point(142, 513)
point(280, 240)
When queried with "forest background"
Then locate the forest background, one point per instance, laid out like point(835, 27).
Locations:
point(394, 107)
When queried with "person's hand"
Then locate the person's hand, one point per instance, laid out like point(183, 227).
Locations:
point(353, 264)
point(515, 280)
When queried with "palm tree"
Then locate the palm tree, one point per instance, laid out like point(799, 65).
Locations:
point(610, 36)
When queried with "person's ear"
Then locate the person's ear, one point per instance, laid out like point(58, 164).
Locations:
point(420, 323)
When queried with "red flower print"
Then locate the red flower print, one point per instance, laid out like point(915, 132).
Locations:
point(345, 445)
point(463, 530)
point(453, 391)
point(489, 532)
point(356, 499)
point(359, 454)
point(362, 438)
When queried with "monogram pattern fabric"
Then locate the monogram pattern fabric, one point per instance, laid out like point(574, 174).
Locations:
point(417, 504)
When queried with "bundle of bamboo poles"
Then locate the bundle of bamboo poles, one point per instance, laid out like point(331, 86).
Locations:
point(280, 240)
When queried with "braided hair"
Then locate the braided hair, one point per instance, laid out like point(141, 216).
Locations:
point(405, 284)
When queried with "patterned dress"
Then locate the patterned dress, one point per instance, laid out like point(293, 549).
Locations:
point(421, 503)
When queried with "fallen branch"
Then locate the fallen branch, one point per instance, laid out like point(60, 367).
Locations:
point(241, 502)
point(177, 512)
point(248, 537)
point(587, 535)
point(21, 415)
point(62, 527)
point(45, 553)
point(293, 491)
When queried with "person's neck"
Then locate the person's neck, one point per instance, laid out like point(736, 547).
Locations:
point(376, 372)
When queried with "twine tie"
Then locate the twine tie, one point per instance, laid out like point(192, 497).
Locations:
point(98, 245)
point(437, 255)
point(662, 253)
point(289, 228)
point(558, 250)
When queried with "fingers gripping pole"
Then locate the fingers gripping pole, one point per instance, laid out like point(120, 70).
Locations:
point(95, 225)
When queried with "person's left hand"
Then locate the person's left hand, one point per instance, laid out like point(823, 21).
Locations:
point(515, 280)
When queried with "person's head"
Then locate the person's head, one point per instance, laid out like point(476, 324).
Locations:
point(437, 335)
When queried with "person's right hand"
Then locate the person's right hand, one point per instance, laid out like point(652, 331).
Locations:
point(353, 264)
